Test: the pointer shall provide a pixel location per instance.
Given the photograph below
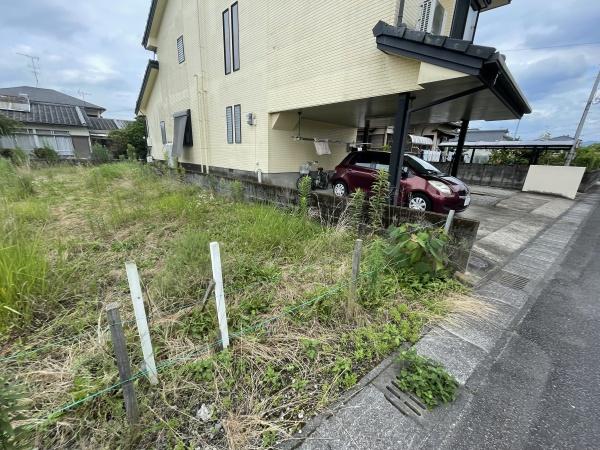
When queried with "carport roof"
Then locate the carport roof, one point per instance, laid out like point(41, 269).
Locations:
point(482, 63)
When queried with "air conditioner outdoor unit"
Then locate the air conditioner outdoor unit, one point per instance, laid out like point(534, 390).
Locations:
point(432, 17)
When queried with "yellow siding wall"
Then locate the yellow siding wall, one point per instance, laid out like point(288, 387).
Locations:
point(293, 54)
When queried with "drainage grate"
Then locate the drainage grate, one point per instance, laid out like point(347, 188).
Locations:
point(405, 402)
point(512, 280)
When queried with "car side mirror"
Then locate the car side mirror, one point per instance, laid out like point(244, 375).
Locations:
point(404, 173)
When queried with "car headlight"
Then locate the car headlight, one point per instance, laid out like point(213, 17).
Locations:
point(441, 187)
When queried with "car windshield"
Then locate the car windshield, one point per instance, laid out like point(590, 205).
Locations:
point(421, 166)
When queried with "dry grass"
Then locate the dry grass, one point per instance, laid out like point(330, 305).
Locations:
point(271, 381)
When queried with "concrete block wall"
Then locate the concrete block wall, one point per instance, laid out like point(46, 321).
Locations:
point(463, 231)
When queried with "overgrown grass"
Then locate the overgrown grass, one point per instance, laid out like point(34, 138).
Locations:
point(64, 252)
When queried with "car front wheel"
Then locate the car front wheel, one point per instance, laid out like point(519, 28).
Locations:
point(340, 189)
point(419, 202)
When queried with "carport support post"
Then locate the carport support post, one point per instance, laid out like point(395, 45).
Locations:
point(401, 122)
point(459, 147)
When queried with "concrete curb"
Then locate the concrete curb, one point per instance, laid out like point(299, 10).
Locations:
point(364, 419)
point(463, 344)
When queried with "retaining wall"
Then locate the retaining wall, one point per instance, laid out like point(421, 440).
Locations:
point(330, 209)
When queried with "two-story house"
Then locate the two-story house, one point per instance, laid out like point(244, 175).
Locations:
point(239, 87)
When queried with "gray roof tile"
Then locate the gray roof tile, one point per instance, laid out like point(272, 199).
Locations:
point(43, 95)
point(44, 113)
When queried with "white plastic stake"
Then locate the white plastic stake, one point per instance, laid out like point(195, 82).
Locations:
point(215, 257)
point(141, 321)
point(449, 220)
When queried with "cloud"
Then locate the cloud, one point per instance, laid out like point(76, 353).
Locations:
point(541, 39)
point(92, 46)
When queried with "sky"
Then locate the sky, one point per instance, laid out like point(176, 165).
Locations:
point(95, 49)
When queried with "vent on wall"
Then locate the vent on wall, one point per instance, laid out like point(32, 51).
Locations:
point(425, 16)
point(180, 50)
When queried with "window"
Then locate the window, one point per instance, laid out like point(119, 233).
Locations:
point(363, 159)
point(180, 50)
point(237, 119)
point(231, 39)
point(235, 36)
point(227, 41)
point(233, 117)
point(163, 132)
point(229, 119)
point(382, 161)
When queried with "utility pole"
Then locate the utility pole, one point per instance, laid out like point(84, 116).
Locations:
point(571, 154)
point(35, 66)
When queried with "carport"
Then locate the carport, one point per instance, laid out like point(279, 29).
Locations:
point(476, 85)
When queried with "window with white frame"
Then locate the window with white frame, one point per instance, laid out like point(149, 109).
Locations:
point(30, 139)
point(180, 50)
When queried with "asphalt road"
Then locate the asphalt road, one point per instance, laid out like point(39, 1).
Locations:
point(543, 389)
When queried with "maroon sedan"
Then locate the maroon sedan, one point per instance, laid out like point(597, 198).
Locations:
point(422, 187)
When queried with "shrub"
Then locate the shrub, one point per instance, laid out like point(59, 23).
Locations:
point(8, 126)
point(588, 157)
point(100, 153)
point(46, 153)
point(509, 157)
point(379, 198)
point(131, 153)
point(356, 208)
point(237, 191)
point(304, 188)
point(422, 250)
point(17, 156)
point(426, 379)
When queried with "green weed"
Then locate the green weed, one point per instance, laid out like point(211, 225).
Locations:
point(426, 379)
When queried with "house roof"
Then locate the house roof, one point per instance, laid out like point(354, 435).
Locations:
point(49, 114)
point(43, 95)
point(152, 65)
point(100, 123)
point(487, 135)
point(483, 63)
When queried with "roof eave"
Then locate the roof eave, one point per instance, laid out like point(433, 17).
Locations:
point(152, 65)
point(157, 8)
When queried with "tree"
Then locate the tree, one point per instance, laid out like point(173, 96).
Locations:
point(133, 134)
point(8, 125)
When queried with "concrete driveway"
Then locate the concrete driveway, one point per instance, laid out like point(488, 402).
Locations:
point(509, 220)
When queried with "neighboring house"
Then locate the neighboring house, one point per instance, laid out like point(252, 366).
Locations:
point(241, 87)
point(50, 118)
point(477, 135)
